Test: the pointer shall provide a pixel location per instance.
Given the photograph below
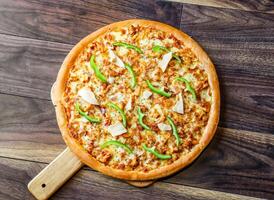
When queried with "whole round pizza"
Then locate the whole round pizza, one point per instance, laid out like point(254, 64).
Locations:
point(137, 100)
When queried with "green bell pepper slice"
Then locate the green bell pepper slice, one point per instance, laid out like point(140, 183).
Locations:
point(85, 115)
point(188, 86)
point(158, 48)
point(156, 153)
point(140, 119)
point(122, 113)
point(96, 70)
point(118, 144)
point(133, 76)
point(174, 130)
point(156, 90)
point(128, 46)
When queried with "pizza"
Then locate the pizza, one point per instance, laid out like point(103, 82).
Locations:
point(137, 100)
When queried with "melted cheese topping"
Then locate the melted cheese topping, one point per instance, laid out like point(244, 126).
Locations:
point(156, 108)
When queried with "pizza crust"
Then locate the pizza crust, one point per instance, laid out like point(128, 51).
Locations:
point(85, 157)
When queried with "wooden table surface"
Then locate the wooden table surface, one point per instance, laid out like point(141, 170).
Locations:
point(36, 35)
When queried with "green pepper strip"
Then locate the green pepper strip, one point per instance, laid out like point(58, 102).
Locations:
point(174, 130)
point(188, 86)
point(116, 143)
point(128, 46)
point(159, 48)
point(140, 119)
point(96, 70)
point(82, 113)
point(122, 113)
point(156, 90)
point(133, 77)
point(157, 154)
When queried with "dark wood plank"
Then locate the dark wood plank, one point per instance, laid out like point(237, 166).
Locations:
point(14, 177)
point(29, 67)
point(28, 129)
point(88, 184)
point(241, 46)
point(69, 21)
point(247, 107)
point(236, 40)
point(236, 161)
point(266, 6)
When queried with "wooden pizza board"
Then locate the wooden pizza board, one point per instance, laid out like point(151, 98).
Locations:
point(60, 170)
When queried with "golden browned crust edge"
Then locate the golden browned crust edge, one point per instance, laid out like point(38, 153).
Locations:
point(86, 158)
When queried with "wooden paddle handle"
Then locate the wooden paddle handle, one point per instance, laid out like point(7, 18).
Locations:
point(54, 175)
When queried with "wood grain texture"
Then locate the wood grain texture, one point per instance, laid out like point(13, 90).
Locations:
point(29, 125)
point(29, 67)
point(266, 6)
point(90, 184)
point(236, 161)
point(70, 21)
point(55, 175)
